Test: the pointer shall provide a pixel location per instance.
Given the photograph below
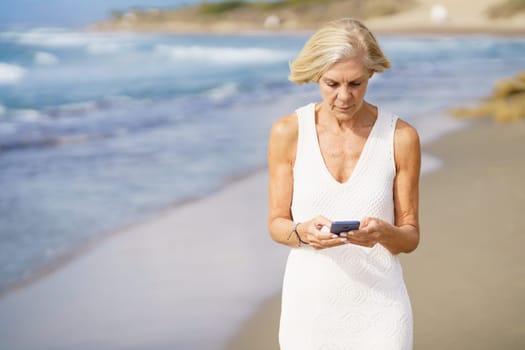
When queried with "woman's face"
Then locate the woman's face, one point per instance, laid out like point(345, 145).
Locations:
point(343, 87)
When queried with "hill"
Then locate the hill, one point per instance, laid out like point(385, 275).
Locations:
point(417, 16)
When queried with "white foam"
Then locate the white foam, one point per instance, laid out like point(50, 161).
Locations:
point(95, 43)
point(433, 127)
point(222, 55)
point(224, 91)
point(26, 115)
point(10, 73)
point(104, 48)
point(430, 163)
point(52, 39)
point(45, 59)
point(74, 108)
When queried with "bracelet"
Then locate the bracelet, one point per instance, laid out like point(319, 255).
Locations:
point(297, 235)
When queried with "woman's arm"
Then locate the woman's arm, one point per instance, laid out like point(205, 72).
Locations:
point(403, 236)
point(281, 158)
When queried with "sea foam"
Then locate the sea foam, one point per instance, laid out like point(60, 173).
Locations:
point(45, 59)
point(222, 55)
point(10, 73)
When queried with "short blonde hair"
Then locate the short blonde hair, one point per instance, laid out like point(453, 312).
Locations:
point(334, 42)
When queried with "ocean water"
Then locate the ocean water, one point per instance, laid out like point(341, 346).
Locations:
point(101, 130)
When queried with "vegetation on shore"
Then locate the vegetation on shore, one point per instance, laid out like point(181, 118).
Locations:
point(243, 15)
point(370, 8)
point(507, 8)
point(507, 102)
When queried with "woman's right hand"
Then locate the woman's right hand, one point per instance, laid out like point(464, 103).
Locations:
point(311, 232)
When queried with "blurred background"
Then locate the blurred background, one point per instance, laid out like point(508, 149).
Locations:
point(111, 111)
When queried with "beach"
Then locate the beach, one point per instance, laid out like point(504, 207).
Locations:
point(123, 293)
point(465, 278)
point(444, 17)
point(134, 207)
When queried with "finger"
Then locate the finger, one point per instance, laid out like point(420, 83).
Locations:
point(365, 222)
point(322, 221)
point(333, 242)
point(316, 245)
point(326, 236)
point(362, 232)
point(362, 240)
point(360, 237)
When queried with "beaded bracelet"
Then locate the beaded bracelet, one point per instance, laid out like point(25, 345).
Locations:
point(297, 235)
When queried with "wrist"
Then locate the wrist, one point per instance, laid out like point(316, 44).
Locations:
point(298, 237)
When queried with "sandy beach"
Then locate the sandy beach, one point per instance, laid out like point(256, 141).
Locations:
point(135, 290)
point(420, 17)
point(162, 283)
point(465, 277)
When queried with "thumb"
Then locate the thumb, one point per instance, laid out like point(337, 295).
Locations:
point(365, 222)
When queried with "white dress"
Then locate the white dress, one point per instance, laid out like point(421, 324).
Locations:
point(347, 297)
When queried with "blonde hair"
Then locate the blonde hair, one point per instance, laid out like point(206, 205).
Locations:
point(334, 42)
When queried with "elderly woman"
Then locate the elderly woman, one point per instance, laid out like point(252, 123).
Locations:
point(343, 159)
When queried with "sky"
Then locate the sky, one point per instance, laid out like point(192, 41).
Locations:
point(70, 13)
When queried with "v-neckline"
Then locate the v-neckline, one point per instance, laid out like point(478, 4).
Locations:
point(359, 159)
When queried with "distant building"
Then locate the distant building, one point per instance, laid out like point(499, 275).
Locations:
point(438, 14)
point(272, 22)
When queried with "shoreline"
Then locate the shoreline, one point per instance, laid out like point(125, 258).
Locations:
point(89, 244)
point(413, 31)
point(451, 289)
point(447, 17)
point(430, 163)
point(107, 295)
point(253, 313)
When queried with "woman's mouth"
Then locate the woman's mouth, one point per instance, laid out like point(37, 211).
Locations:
point(342, 108)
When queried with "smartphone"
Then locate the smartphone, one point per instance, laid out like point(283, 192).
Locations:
point(344, 226)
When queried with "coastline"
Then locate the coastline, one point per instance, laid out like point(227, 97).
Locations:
point(166, 273)
point(134, 278)
point(413, 31)
point(99, 238)
point(454, 18)
point(463, 279)
point(136, 289)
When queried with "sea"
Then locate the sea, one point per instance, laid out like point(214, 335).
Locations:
point(100, 130)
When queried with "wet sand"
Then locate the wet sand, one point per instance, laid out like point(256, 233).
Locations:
point(162, 284)
point(466, 277)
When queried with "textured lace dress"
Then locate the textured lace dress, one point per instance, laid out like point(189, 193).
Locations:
point(346, 297)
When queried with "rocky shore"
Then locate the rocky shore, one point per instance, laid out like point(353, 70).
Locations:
point(507, 102)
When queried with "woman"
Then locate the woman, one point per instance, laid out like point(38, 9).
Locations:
point(343, 159)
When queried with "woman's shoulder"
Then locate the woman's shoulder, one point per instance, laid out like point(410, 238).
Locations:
point(283, 139)
point(407, 147)
point(405, 132)
point(286, 127)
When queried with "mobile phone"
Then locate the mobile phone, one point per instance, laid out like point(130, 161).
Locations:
point(344, 226)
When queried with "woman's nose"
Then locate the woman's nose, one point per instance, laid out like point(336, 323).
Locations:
point(344, 93)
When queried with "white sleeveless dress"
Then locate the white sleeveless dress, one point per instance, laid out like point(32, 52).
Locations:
point(346, 297)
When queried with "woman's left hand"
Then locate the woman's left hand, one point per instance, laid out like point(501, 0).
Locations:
point(370, 232)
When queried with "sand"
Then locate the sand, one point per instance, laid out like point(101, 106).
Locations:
point(183, 279)
point(466, 277)
point(463, 17)
point(134, 291)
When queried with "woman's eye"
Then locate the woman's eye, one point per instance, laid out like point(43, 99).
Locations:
point(355, 83)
